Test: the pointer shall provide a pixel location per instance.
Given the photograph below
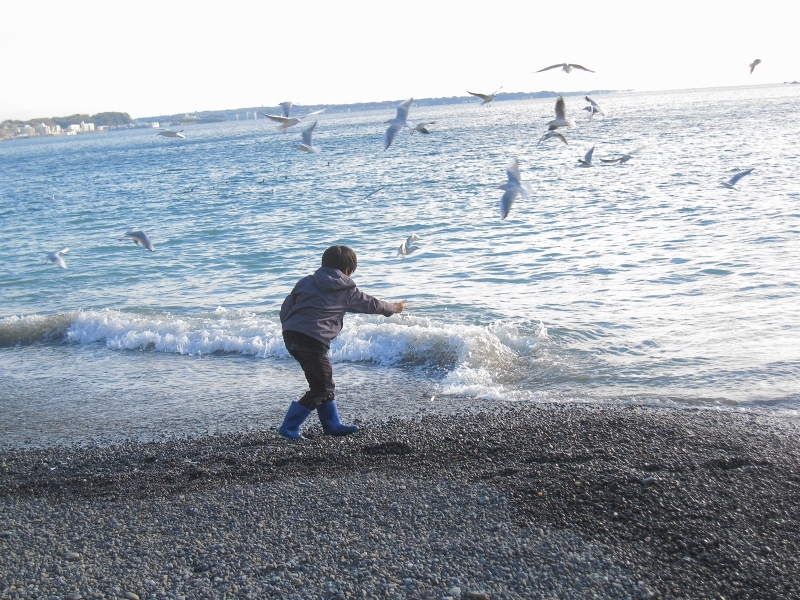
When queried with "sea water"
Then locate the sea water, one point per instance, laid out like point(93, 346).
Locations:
point(646, 281)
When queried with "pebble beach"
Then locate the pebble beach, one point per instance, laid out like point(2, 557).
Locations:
point(545, 501)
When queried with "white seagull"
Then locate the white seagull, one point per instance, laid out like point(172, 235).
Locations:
point(408, 247)
point(561, 119)
point(139, 238)
point(397, 123)
point(513, 188)
point(421, 127)
point(593, 108)
point(735, 179)
point(57, 258)
point(587, 160)
point(622, 158)
point(754, 64)
point(566, 67)
point(285, 121)
point(307, 146)
point(554, 134)
point(168, 133)
point(485, 98)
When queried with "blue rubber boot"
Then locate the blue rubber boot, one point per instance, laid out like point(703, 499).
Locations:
point(329, 417)
point(295, 416)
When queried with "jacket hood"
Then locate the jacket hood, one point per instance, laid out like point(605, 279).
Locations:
point(330, 280)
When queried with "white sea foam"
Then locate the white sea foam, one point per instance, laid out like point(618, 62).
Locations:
point(471, 359)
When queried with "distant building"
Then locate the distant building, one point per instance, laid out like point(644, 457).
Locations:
point(154, 125)
point(73, 129)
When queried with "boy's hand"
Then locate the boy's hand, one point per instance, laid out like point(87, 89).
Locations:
point(399, 306)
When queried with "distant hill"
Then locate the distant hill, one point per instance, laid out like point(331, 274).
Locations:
point(231, 114)
point(107, 119)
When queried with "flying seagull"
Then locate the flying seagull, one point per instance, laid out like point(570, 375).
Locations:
point(421, 127)
point(486, 98)
point(57, 258)
point(397, 123)
point(735, 179)
point(408, 247)
point(554, 134)
point(168, 133)
point(561, 119)
point(593, 108)
point(139, 238)
point(622, 158)
point(513, 188)
point(307, 146)
point(286, 122)
point(566, 67)
point(587, 160)
point(754, 64)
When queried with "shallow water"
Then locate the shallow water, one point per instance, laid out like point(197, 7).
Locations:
point(646, 281)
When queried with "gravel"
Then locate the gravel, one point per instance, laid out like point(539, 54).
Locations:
point(568, 501)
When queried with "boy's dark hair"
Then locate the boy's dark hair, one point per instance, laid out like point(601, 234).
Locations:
point(340, 257)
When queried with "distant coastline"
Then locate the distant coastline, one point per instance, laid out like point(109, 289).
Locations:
point(84, 123)
point(256, 112)
point(71, 125)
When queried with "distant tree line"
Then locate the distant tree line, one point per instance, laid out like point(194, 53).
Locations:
point(107, 119)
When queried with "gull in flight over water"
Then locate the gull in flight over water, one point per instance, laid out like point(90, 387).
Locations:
point(485, 98)
point(566, 67)
point(168, 133)
point(57, 258)
point(622, 158)
point(561, 119)
point(139, 238)
point(286, 121)
point(421, 127)
point(408, 246)
point(307, 146)
point(587, 160)
point(397, 123)
point(593, 108)
point(754, 64)
point(735, 179)
point(513, 188)
point(551, 134)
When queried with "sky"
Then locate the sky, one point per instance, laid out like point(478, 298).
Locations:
point(150, 58)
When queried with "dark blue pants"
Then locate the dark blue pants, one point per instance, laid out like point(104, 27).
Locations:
point(313, 358)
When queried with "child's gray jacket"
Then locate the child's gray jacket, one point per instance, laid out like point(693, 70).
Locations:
point(318, 302)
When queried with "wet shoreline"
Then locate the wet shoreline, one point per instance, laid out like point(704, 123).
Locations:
point(572, 500)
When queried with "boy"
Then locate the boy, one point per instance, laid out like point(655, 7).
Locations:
point(312, 315)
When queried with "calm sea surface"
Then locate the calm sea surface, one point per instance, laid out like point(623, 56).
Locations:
point(641, 282)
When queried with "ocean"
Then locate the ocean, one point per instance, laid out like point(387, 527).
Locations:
point(642, 282)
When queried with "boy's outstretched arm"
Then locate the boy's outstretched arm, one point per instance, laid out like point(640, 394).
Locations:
point(399, 306)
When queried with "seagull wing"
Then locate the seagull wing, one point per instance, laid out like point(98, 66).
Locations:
point(286, 108)
point(551, 67)
point(481, 96)
point(391, 131)
point(561, 137)
point(286, 121)
point(588, 157)
point(512, 170)
point(307, 134)
point(507, 200)
point(561, 109)
point(574, 66)
point(316, 112)
point(735, 179)
point(402, 111)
